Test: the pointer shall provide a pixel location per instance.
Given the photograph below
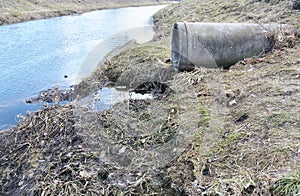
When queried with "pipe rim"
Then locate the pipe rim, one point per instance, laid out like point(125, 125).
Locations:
point(176, 47)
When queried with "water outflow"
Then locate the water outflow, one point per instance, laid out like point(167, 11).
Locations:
point(37, 55)
point(216, 45)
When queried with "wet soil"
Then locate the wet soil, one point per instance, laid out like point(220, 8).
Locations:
point(228, 132)
point(52, 95)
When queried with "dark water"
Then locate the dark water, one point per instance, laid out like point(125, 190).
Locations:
point(36, 55)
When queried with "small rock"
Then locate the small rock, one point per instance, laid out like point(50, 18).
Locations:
point(85, 174)
point(122, 150)
point(173, 111)
point(28, 101)
point(233, 102)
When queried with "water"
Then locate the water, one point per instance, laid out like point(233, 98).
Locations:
point(36, 55)
point(107, 97)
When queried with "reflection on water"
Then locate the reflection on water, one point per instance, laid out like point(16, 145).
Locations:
point(36, 55)
point(140, 35)
point(107, 97)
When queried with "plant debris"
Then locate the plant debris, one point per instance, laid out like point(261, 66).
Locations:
point(52, 95)
point(190, 143)
point(51, 157)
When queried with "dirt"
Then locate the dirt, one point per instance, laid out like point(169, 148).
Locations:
point(52, 95)
point(220, 132)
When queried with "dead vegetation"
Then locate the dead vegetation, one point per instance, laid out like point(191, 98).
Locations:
point(47, 154)
point(258, 142)
point(221, 132)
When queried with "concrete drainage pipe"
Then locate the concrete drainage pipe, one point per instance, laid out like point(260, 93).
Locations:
point(215, 45)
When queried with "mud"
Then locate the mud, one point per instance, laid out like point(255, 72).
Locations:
point(52, 95)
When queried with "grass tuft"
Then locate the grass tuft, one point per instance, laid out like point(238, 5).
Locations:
point(289, 185)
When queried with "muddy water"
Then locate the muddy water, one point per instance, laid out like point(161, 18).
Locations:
point(39, 54)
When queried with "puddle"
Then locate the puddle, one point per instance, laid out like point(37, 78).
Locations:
point(107, 97)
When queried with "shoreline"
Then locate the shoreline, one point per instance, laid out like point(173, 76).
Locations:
point(245, 148)
point(18, 17)
point(64, 94)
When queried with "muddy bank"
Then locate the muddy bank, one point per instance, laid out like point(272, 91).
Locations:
point(230, 132)
point(52, 95)
point(245, 106)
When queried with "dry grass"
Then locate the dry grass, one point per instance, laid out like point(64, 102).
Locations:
point(256, 141)
point(226, 11)
point(51, 153)
point(194, 141)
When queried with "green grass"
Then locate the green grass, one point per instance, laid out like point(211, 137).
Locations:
point(289, 185)
point(205, 116)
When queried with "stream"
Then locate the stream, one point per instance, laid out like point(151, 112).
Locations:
point(40, 54)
